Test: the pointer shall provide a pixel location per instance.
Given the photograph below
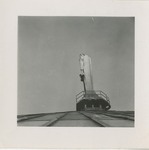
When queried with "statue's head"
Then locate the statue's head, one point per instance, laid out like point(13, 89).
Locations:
point(82, 54)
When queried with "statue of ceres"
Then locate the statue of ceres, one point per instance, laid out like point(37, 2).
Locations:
point(86, 70)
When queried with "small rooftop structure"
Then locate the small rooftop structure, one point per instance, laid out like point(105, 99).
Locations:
point(90, 99)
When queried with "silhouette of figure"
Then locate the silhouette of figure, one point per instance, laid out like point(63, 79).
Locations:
point(81, 60)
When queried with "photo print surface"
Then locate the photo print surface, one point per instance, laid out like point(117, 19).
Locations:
point(75, 71)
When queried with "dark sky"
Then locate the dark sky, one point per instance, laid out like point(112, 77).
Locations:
point(48, 61)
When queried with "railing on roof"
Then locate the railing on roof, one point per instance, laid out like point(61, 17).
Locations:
point(101, 94)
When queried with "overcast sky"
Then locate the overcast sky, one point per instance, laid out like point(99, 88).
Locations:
point(48, 61)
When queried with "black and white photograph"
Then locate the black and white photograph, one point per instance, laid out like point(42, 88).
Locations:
point(74, 74)
point(76, 71)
